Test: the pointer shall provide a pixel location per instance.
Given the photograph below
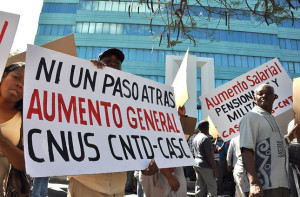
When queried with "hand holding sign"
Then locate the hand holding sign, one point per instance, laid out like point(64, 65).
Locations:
point(92, 118)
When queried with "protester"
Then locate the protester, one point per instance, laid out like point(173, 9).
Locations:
point(226, 177)
point(263, 146)
point(40, 187)
point(168, 182)
point(235, 164)
point(217, 149)
point(11, 99)
point(105, 184)
point(205, 168)
point(189, 170)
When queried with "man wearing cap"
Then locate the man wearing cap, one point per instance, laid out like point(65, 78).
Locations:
point(105, 184)
point(205, 168)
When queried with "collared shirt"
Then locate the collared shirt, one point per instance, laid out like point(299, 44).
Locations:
point(260, 132)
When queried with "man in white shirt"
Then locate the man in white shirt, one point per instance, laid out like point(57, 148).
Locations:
point(235, 164)
point(263, 147)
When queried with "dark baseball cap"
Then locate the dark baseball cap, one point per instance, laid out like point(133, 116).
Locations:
point(113, 51)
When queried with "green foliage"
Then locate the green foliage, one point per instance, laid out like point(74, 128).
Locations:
point(15, 52)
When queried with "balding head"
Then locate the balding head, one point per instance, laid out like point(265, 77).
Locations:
point(268, 86)
point(265, 97)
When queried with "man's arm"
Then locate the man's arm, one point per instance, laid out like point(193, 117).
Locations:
point(211, 161)
point(216, 141)
point(172, 180)
point(292, 134)
point(249, 165)
point(222, 147)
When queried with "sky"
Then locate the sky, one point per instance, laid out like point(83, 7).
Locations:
point(29, 11)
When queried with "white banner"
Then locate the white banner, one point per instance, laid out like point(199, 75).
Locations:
point(8, 27)
point(82, 120)
point(227, 104)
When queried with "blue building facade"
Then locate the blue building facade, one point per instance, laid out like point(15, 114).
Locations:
point(99, 25)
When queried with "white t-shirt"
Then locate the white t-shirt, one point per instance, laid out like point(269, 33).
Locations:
point(234, 156)
point(259, 131)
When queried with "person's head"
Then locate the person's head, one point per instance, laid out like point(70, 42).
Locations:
point(265, 97)
point(112, 58)
point(11, 86)
point(203, 126)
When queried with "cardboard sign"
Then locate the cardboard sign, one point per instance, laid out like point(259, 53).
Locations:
point(296, 97)
point(82, 120)
point(8, 27)
point(180, 83)
point(227, 104)
point(64, 45)
point(188, 125)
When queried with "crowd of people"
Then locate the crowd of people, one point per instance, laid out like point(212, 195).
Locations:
point(258, 158)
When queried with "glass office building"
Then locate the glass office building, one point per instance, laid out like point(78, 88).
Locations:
point(99, 25)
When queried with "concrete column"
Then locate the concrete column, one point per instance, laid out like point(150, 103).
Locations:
point(207, 78)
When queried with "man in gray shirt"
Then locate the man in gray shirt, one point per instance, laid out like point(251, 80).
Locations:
point(205, 168)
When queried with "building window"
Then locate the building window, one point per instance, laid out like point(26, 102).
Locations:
point(160, 79)
point(289, 44)
point(55, 30)
point(210, 34)
point(285, 65)
point(219, 82)
point(59, 8)
point(148, 55)
point(297, 67)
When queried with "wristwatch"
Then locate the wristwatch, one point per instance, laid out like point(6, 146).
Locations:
point(287, 139)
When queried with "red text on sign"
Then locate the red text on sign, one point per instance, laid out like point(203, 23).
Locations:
point(3, 31)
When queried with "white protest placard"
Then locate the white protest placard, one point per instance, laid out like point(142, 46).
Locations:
point(227, 104)
point(82, 120)
point(180, 83)
point(8, 27)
